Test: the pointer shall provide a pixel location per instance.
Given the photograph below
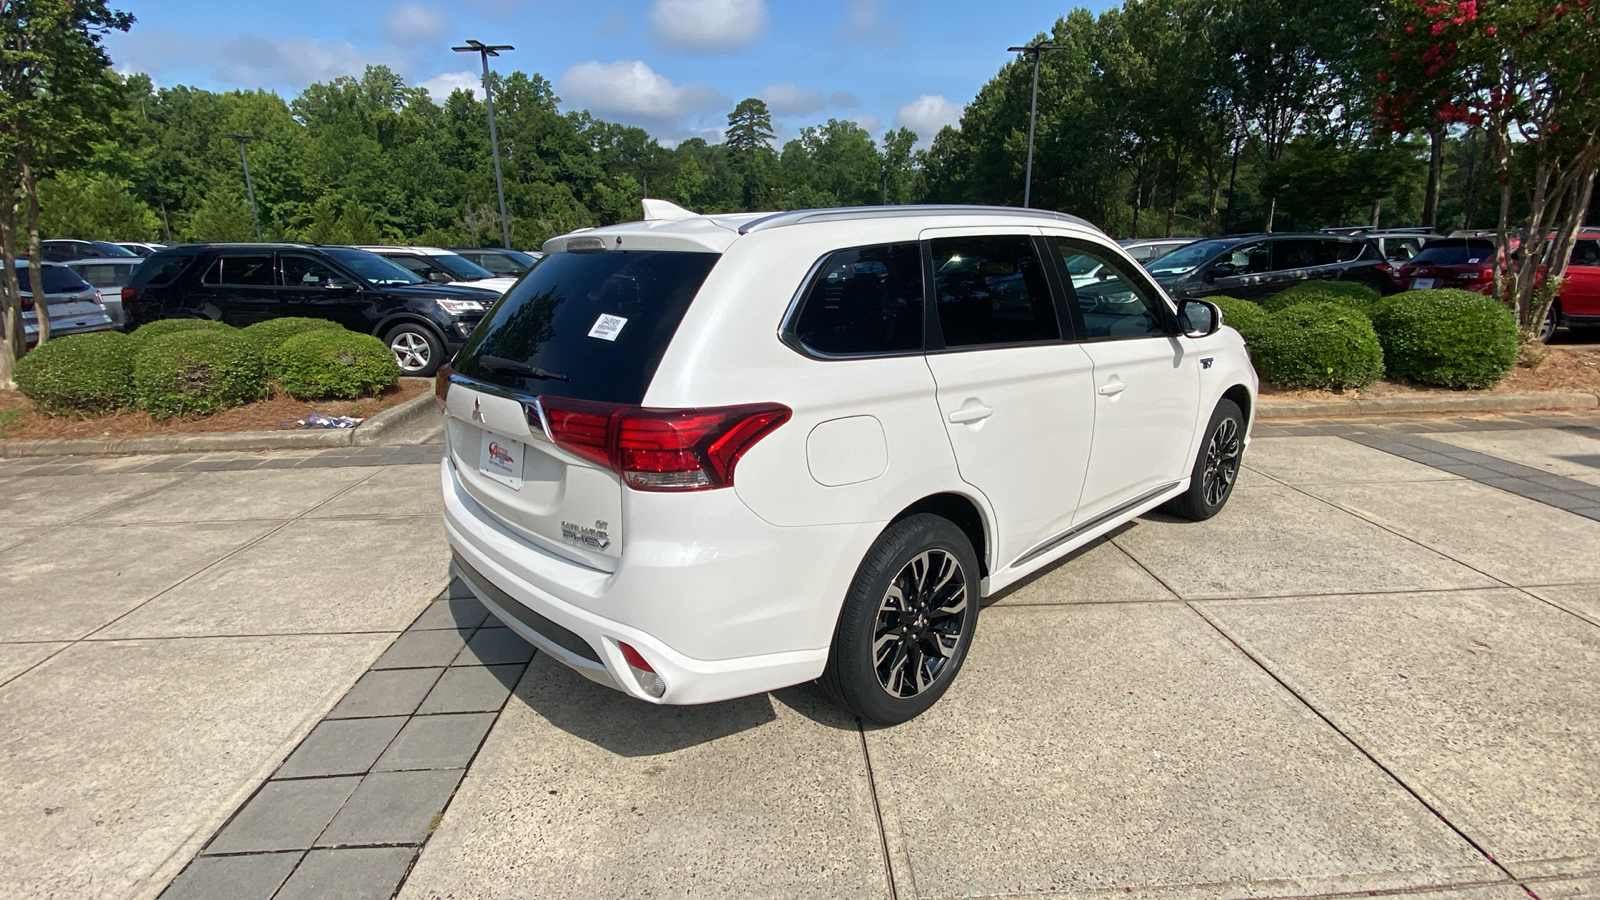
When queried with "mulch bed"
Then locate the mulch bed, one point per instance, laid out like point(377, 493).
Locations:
point(1564, 368)
point(263, 415)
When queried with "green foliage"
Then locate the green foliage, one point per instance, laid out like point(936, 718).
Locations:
point(224, 215)
point(142, 335)
point(93, 206)
point(1448, 337)
point(332, 364)
point(1359, 297)
point(1246, 316)
point(196, 373)
point(1317, 345)
point(90, 374)
point(271, 333)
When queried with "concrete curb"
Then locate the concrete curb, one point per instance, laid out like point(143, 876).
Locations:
point(1425, 403)
point(369, 432)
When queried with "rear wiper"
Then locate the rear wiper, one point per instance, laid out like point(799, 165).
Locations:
point(501, 364)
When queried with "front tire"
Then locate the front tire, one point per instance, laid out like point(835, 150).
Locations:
point(907, 621)
point(416, 348)
point(1216, 467)
point(1552, 320)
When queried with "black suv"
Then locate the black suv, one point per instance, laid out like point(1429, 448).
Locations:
point(1254, 267)
point(423, 323)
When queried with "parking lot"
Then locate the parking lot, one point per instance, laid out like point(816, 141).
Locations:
point(1374, 672)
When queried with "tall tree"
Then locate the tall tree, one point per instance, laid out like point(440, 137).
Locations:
point(749, 142)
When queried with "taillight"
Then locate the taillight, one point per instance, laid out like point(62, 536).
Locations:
point(1382, 267)
point(441, 385)
point(649, 681)
point(662, 449)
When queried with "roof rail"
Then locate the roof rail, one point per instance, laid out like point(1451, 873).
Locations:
point(853, 213)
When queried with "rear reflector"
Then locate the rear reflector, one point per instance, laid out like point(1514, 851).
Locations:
point(662, 449)
point(648, 680)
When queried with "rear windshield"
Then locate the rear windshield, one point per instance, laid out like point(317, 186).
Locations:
point(57, 280)
point(1454, 253)
point(161, 269)
point(1187, 259)
point(105, 274)
point(594, 325)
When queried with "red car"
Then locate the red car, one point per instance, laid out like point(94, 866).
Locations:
point(1466, 263)
point(1580, 293)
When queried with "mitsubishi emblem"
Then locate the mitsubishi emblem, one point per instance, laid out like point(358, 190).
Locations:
point(477, 411)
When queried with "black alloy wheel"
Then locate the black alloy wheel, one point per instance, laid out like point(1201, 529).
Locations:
point(1216, 467)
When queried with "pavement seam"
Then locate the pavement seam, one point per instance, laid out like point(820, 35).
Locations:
point(877, 814)
point(1326, 719)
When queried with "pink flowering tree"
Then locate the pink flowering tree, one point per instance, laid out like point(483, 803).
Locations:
point(1525, 72)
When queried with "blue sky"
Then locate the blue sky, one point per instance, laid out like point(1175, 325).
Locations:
point(674, 67)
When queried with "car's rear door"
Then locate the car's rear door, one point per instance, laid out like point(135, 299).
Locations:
point(1016, 398)
point(240, 288)
point(1580, 293)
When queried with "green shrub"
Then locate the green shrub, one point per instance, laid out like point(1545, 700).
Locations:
point(1318, 345)
point(1244, 315)
point(81, 373)
point(326, 365)
point(1353, 294)
point(272, 332)
point(198, 372)
point(1447, 337)
point(145, 333)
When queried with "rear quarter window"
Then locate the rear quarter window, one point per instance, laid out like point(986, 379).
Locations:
point(862, 302)
point(161, 269)
point(595, 325)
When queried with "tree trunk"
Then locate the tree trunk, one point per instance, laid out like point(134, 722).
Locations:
point(41, 300)
point(1272, 211)
point(10, 289)
point(1377, 211)
point(1430, 202)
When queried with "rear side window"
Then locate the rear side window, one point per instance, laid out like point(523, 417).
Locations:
point(1586, 253)
point(867, 300)
point(1456, 253)
point(992, 290)
point(591, 326)
point(249, 271)
point(1350, 251)
point(160, 270)
point(1300, 254)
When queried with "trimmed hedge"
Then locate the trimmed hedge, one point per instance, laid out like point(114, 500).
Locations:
point(1246, 316)
point(1353, 294)
point(273, 332)
point(197, 372)
point(333, 364)
point(146, 333)
point(1318, 345)
point(90, 374)
point(1449, 337)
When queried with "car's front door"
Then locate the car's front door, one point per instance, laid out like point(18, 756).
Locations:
point(1016, 400)
point(240, 288)
point(314, 289)
point(1147, 384)
point(1243, 272)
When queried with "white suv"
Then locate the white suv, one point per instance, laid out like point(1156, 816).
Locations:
point(701, 457)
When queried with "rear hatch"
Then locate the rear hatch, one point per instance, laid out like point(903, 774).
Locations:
point(1449, 263)
point(579, 333)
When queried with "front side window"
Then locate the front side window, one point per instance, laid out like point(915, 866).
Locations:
point(1113, 304)
point(1586, 253)
point(992, 290)
point(247, 271)
point(866, 300)
point(303, 271)
point(1246, 259)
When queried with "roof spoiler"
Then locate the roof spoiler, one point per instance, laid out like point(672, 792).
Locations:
point(665, 211)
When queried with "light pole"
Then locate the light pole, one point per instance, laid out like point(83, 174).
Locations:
point(1036, 51)
point(486, 51)
point(248, 187)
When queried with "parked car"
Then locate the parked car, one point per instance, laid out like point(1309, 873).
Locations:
point(508, 263)
point(240, 284)
point(1399, 247)
point(1253, 267)
point(1579, 303)
point(140, 248)
point(73, 304)
point(1144, 250)
point(713, 456)
point(108, 275)
point(61, 250)
point(443, 267)
point(1466, 263)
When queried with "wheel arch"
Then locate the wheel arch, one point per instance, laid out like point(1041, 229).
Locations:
point(1240, 395)
point(407, 318)
point(961, 511)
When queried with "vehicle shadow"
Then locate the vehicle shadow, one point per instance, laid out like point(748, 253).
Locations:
point(1045, 572)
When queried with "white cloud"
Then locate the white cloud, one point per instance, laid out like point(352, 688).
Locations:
point(869, 21)
point(790, 99)
point(440, 86)
point(870, 122)
point(844, 100)
point(413, 24)
point(926, 115)
point(708, 26)
point(250, 60)
point(631, 90)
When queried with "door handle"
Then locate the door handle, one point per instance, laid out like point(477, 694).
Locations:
point(971, 412)
point(1112, 388)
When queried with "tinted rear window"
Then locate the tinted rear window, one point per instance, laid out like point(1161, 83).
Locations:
point(57, 280)
point(106, 274)
point(161, 269)
point(601, 321)
point(1454, 254)
point(863, 301)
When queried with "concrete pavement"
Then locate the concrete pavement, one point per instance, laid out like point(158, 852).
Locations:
point(1372, 674)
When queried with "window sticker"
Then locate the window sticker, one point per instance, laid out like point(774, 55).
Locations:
point(607, 327)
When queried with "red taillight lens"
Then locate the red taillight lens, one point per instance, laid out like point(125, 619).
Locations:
point(662, 449)
point(1382, 267)
point(648, 680)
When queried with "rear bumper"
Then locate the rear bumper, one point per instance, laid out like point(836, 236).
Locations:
point(64, 327)
point(719, 602)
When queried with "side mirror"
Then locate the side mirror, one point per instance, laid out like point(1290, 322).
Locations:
point(440, 277)
point(1199, 318)
point(1221, 270)
point(338, 283)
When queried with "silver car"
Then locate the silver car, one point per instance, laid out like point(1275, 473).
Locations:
point(108, 276)
point(75, 307)
point(1144, 250)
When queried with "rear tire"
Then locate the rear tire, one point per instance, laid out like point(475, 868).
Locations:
point(1552, 321)
point(1216, 466)
point(907, 621)
point(416, 348)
